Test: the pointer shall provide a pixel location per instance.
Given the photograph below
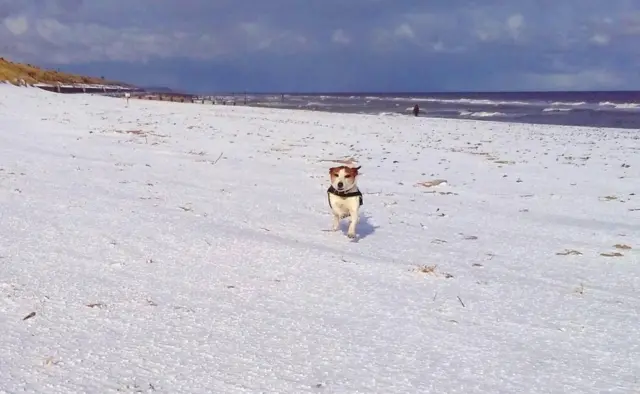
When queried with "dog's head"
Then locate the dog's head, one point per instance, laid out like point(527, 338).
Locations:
point(343, 177)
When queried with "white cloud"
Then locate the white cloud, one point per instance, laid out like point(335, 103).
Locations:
point(67, 43)
point(251, 29)
point(77, 31)
point(418, 34)
point(340, 37)
point(600, 39)
point(257, 36)
point(77, 43)
point(515, 23)
point(486, 29)
point(405, 31)
point(386, 39)
point(16, 25)
point(54, 32)
point(588, 79)
point(484, 35)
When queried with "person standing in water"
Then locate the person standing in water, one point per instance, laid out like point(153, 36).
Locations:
point(416, 110)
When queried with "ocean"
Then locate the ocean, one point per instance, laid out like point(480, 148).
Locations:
point(620, 109)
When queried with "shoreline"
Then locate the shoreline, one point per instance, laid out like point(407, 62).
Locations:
point(626, 120)
point(501, 119)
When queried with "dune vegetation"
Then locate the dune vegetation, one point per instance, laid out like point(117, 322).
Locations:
point(15, 73)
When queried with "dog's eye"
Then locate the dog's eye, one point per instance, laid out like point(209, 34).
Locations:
point(347, 176)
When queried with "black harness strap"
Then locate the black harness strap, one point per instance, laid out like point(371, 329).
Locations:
point(333, 191)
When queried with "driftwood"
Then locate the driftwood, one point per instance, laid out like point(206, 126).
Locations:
point(432, 183)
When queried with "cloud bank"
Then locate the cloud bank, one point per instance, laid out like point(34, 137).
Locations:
point(333, 45)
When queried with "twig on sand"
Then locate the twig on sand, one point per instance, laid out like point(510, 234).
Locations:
point(348, 161)
point(461, 303)
point(29, 316)
point(136, 132)
point(213, 163)
point(612, 254)
point(427, 269)
point(608, 198)
point(431, 270)
point(569, 252)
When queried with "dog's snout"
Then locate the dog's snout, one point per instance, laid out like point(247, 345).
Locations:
point(340, 185)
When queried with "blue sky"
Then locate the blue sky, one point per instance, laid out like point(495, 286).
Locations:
point(333, 45)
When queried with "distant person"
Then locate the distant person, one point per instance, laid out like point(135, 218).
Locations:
point(416, 110)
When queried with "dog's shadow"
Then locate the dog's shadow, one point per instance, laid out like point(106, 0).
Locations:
point(364, 228)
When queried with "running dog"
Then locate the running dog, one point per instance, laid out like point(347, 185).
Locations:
point(345, 198)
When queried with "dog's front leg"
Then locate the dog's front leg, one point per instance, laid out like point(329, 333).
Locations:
point(351, 233)
point(336, 222)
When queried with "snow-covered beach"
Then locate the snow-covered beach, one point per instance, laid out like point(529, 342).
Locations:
point(177, 248)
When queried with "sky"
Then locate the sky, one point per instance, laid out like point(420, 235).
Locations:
point(333, 45)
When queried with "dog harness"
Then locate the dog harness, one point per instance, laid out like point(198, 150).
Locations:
point(333, 191)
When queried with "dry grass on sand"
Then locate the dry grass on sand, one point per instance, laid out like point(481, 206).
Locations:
point(15, 72)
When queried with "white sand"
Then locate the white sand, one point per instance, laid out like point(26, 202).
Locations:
point(189, 256)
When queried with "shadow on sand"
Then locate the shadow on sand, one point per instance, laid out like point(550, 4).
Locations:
point(363, 230)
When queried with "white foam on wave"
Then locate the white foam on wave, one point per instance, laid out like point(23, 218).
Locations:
point(620, 105)
point(570, 103)
point(317, 104)
point(557, 109)
point(452, 101)
point(468, 101)
point(482, 114)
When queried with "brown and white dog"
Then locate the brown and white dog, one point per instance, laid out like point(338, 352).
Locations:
point(345, 198)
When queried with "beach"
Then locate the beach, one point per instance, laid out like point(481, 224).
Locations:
point(601, 109)
point(171, 248)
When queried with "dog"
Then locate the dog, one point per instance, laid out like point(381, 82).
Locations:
point(344, 197)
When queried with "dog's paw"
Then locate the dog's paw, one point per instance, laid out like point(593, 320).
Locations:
point(351, 235)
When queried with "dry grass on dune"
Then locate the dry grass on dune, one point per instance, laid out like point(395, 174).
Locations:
point(14, 72)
